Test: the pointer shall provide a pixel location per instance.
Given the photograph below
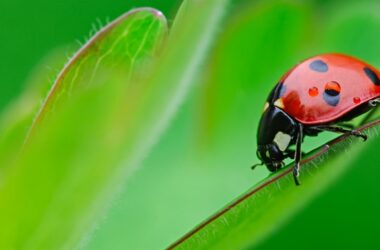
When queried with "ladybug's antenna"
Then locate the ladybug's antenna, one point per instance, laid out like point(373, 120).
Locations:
point(258, 164)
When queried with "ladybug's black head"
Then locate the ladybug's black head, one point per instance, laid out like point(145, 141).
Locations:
point(277, 131)
point(271, 156)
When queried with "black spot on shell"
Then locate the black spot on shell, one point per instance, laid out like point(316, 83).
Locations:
point(331, 92)
point(319, 66)
point(372, 76)
point(333, 99)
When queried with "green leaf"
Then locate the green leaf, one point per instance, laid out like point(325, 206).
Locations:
point(188, 47)
point(126, 42)
point(64, 178)
point(17, 118)
point(252, 217)
point(185, 179)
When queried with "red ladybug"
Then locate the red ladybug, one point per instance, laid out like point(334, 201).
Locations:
point(314, 96)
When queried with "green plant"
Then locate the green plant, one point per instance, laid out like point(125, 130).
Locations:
point(247, 221)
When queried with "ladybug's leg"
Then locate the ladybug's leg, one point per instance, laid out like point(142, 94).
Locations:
point(341, 130)
point(346, 125)
point(297, 155)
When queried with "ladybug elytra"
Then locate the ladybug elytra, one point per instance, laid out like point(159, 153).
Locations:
point(314, 96)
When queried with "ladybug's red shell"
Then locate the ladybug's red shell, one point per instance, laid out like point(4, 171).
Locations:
point(324, 88)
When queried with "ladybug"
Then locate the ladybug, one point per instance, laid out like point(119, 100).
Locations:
point(316, 95)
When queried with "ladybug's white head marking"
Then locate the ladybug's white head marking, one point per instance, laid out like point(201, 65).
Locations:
point(282, 140)
point(266, 106)
point(279, 103)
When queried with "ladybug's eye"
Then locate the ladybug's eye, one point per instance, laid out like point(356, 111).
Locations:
point(332, 88)
point(267, 154)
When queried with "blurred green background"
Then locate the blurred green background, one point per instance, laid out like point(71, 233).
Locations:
point(202, 162)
